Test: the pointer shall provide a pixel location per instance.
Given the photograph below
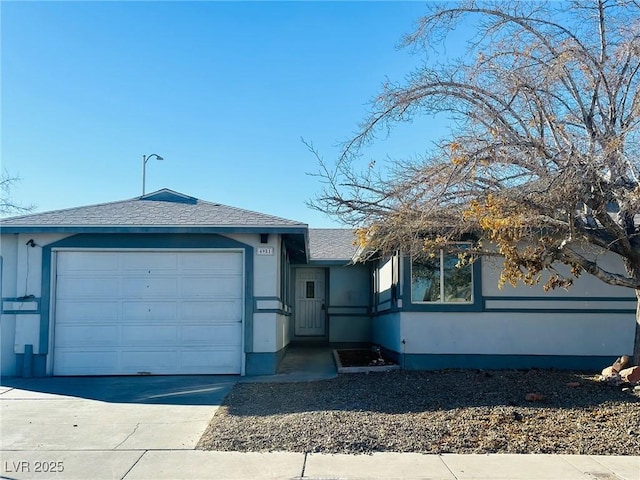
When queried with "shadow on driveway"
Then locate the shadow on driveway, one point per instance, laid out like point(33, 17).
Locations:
point(167, 390)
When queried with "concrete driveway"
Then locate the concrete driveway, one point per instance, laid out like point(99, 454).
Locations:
point(83, 419)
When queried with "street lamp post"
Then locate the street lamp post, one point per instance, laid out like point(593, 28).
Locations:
point(145, 159)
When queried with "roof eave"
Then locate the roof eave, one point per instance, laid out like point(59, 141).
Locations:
point(273, 229)
point(330, 261)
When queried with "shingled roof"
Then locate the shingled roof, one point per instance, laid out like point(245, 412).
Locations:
point(164, 208)
point(332, 244)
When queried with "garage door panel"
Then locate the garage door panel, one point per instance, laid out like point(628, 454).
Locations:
point(214, 361)
point(150, 262)
point(151, 361)
point(220, 335)
point(220, 286)
point(90, 334)
point(149, 335)
point(79, 311)
point(149, 311)
point(88, 287)
point(152, 286)
point(220, 311)
point(89, 262)
point(223, 262)
point(125, 313)
point(94, 362)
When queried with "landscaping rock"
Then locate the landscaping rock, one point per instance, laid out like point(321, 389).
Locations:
point(453, 411)
point(621, 363)
point(630, 375)
point(611, 374)
point(608, 372)
point(534, 397)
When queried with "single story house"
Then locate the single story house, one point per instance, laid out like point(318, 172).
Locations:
point(169, 284)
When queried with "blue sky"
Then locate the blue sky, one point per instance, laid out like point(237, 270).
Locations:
point(222, 90)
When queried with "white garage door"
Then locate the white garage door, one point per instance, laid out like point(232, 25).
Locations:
point(133, 312)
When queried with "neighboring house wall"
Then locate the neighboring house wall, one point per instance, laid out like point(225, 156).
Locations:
point(349, 304)
point(584, 327)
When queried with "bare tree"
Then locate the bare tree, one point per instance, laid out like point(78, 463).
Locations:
point(7, 205)
point(542, 167)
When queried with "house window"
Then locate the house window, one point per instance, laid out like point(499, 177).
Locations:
point(440, 280)
point(311, 290)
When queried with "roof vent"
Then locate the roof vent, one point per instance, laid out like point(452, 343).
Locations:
point(166, 195)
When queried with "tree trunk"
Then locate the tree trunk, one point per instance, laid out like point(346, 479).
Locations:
point(636, 342)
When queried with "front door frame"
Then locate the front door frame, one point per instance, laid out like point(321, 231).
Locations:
point(311, 338)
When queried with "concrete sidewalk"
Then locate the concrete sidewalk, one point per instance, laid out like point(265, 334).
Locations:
point(196, 464)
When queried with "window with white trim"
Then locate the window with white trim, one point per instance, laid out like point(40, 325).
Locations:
point(441, 279)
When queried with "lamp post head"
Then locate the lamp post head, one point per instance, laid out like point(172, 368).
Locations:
point(145, 159)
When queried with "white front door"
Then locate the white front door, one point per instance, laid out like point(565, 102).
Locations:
point(162, 312)
point(310, 302)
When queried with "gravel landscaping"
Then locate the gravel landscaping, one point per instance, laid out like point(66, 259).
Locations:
point(431, 412)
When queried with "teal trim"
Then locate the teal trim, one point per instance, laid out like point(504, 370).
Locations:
point(559, 310)
point(329, 263)
point(348, 311)
point(531, 307)
point(36, 300)
point(273, 310)
point(564, 299)
point(45, 304)
point(386, 305)
point(385, 295)
point(248, 298)
point(349, 306)
point(476, 306)
point(27, 361)
point(264, 363)
point(499, 362)
point(39, 365)
point(150, 241)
